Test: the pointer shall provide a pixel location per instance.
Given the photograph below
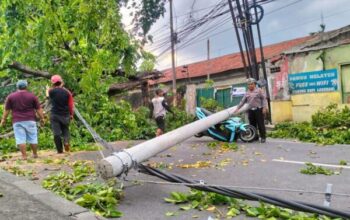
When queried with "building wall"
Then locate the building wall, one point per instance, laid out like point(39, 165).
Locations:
point(304, 105)
point(224, 80)
point(190, 98)
point(281, 111)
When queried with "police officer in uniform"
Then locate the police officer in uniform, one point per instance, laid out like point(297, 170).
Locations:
point(258, 107)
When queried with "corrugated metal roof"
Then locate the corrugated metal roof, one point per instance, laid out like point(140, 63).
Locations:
point(323, 40)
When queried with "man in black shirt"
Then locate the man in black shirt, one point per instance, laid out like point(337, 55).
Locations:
point(61, 113)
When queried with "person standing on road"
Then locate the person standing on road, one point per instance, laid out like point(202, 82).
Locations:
point(24, 105)
point(159, 107)
point(256, 99)
point(61, 113)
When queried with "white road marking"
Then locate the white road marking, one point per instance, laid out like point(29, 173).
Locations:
point(317, 164)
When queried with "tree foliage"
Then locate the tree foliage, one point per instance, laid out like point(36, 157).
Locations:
point(329, 125)
point(84, 40)
point(147, 12)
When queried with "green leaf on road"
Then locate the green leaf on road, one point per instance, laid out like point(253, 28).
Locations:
point(169, 214)
point(311, 169)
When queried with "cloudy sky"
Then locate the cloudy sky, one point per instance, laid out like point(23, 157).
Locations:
point(283, 20)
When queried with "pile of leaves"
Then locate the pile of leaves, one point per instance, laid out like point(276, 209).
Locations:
point(101, 198)
point(16, 170)
point(312, 169)
point(216, 203)
point(225, 146)
point(330, 125)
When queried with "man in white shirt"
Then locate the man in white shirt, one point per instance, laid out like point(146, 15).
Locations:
point(159, 107)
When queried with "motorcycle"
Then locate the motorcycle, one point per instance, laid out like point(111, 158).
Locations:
point(227, 131)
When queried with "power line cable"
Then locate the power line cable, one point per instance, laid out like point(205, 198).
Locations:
point(295, 205)
point(274, 32)
point(237, 187)
point(189, 30)
point(194, 25)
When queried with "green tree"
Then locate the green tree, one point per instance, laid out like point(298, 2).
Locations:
point(84, 40)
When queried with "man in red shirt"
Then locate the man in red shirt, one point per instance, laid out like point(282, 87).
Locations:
point(23, 105)
point(61, 113)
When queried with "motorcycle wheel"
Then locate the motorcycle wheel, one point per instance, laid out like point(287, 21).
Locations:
point(248, 135)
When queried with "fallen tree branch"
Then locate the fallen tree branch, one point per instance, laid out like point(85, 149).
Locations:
point(9, 134)
point(25, 69)
point(121, 87)
point(134, 82)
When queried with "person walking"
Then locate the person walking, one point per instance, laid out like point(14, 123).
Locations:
point(159, 107)
point(24, 105)
point(258, 106)
point(62, 111)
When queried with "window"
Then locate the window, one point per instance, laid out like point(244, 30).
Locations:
point(275, 69)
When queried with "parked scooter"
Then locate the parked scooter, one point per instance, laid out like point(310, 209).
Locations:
point(227, 131)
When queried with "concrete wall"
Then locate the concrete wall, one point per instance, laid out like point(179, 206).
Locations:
point(304, 105)
point(190, 98)
point(281, 111)
point(223, 80)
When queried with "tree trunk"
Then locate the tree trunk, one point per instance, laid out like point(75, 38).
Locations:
point(145, 93)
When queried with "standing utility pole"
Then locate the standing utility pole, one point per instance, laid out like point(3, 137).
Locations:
point(238, 39)
point(249, 14)
point(172, 39)
point(262, 58)
point(208, 49)
point(208, 58)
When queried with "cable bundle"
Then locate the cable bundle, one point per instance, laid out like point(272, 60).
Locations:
point(294, 205)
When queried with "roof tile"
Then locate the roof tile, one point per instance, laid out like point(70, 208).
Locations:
point(228, 62)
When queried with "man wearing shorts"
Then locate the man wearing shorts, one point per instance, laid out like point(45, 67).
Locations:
point(159, 107)
point(61, 113)
point(24, 105)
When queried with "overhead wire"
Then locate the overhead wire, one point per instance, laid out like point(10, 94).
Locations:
point(189, 30)
point(191, 26)
point(274, 32)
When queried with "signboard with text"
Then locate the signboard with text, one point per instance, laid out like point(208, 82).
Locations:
point(238, 91)
point(313, 82)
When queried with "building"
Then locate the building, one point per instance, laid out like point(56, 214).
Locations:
point(304, 75)
point(226, 73)
point(313, 75)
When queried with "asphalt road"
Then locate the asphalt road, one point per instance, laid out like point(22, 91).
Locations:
point(18, 205)
point(253, 165)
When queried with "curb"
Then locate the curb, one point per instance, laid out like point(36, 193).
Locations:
point(46, 197)
point(270, 127)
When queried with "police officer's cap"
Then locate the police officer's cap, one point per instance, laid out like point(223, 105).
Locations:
point(251, 80)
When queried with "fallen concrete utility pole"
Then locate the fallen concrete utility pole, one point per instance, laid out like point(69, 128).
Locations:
point(120, 162)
